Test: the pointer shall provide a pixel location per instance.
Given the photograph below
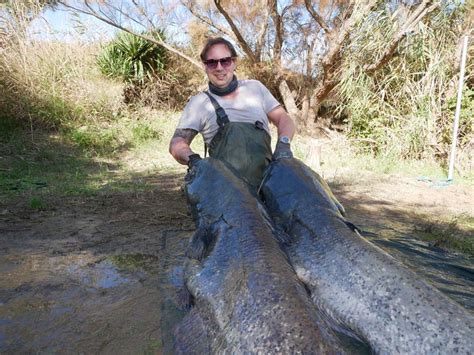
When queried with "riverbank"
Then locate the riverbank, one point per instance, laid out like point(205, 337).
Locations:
point(92, 243)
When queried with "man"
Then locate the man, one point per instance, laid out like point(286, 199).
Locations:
point(233, 118)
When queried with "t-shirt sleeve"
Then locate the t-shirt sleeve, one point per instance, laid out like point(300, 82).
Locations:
point(193, 115)
point(269, 101)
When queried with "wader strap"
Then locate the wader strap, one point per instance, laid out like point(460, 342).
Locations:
point(222, 118)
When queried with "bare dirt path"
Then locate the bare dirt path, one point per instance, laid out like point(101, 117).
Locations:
point(97, 274)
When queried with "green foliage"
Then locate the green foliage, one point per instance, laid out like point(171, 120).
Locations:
point(466, 122)
point(398, 110)
point(36, 203)
point(8, 129)
point(95, 140)
point(142, 132)
point(131, 59)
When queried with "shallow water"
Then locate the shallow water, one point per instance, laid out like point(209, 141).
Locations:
point(79, 280)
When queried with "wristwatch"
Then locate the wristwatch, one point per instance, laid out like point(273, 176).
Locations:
point(285, 139)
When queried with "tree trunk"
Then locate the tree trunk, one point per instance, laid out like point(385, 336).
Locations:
point(289, 102)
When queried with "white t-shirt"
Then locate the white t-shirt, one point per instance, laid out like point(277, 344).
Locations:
point(252, 103)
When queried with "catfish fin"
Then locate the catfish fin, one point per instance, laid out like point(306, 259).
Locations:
point(339, 206)
point(353, 227)
point(191, 336)
point(198, 244)
point(281, 236)
point(184, 299)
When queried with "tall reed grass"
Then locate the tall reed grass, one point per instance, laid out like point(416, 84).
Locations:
point(404, 110)
point(50, 84)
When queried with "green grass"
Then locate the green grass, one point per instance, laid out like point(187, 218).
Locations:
point(95, 140)
point(86, 160)
point(142, 132)
point(36, 203)
point(455, 234)
point(341, 159)
point(9, 128)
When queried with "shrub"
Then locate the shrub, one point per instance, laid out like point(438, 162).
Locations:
point(401, 109)
point(142, 132)
point(131, 59)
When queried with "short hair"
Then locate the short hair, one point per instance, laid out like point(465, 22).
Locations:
point(217, 40)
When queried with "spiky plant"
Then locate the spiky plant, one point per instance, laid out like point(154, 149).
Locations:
point(131, 59)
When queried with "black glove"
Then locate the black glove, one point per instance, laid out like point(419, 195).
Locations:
point(282, 150)
point(193, 161)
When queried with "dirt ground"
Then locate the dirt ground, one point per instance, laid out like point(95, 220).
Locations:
point(98, 274)
point(405, 205)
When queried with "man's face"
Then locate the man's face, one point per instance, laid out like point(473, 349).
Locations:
point(221, 75)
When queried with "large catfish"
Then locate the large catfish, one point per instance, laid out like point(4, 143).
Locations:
point(354, 281)
point(246, 296)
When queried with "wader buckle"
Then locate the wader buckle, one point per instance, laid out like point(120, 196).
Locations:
point(259, 125)
point(222, 118)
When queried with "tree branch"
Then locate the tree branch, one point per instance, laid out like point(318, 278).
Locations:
point(260, 42)
point(421, 11)
point(236, 32)
point(143, 13)
point(277, 22)
point(210, 23)
point(330, 62)
point(316, 17)
point(120, 11)
point(343, 33)
point(110, 22)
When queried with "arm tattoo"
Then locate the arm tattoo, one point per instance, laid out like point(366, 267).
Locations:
point(186, 133)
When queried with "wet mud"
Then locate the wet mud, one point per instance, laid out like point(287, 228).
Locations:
point(93, 275)
point(100, 274)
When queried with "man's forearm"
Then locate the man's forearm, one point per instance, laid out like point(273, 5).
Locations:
point(180, 151)
point(286, 126)
point(179, 145)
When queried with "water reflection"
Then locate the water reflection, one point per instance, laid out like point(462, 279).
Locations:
point(100, 275)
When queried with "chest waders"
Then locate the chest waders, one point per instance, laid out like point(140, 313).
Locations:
point(244, 147)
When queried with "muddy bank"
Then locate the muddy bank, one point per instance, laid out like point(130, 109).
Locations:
point(96, 274)
point(92, 274)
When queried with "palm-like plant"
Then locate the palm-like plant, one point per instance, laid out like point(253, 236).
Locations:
point(131, 59)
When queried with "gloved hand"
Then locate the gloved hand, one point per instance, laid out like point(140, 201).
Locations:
point(282, 150)
point(193, 162)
